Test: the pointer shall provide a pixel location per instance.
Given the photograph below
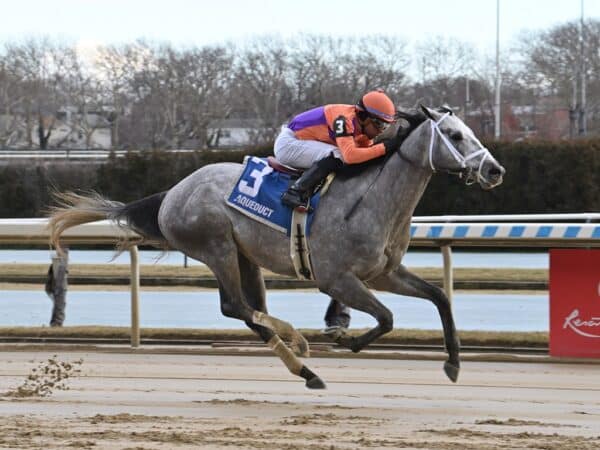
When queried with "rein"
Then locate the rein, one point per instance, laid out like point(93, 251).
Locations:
point(360, 199)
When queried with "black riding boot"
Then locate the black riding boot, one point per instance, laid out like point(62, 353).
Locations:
point(298, 194)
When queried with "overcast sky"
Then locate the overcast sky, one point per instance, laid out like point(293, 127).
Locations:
point(199, 22)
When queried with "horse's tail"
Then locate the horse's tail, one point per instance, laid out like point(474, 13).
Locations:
point(74, 209)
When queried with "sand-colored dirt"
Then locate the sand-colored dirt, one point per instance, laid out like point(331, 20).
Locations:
point(179, 401)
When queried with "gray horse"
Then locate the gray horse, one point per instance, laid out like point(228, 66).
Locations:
point(358, 238)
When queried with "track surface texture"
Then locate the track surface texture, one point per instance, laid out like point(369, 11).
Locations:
point(176, 401)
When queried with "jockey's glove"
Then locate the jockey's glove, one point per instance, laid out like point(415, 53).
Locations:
point(391, 144)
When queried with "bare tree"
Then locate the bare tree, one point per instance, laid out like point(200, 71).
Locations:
point(145, 125)
point(324, 69)
point(41, 65)
point(82, 92)
point(114, 67)
point(176, 93)
point(554, 56)
point(441, 61)
point(206, 74)
point(11, 99)
point(443, 57)
point(310, 70)
point(380, 62)
point(261, 86)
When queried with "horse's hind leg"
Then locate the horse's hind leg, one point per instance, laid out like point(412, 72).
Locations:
point(230, 269)
point(357, 296)
point(402, 282)
point(253, 287)
point(222, 259)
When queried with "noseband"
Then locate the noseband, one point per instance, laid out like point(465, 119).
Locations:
point(462, 160)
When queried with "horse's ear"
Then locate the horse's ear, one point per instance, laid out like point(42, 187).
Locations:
point(446, 109)
point(428, 112)
point(414, 116)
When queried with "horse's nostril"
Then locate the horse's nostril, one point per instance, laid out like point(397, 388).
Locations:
point(495, 171)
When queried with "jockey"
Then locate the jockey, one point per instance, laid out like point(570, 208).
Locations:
point(323, 139)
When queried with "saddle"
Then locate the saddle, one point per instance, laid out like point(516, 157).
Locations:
point(276, 165)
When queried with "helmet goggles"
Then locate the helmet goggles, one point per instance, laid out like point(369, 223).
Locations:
point(381, 125)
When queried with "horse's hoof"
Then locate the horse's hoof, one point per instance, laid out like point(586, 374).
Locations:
point(451, 371)
point(315, 383)
point(334, 332)
point(356, 346)
point(339, 336)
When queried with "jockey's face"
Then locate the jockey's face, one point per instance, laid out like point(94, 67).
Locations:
point(373, 127)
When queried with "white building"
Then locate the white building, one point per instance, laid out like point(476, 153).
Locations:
point(237, 132)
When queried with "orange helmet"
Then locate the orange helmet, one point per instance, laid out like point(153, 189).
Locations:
point(378, 105)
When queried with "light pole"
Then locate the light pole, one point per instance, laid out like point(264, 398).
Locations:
point(582, 105)
point(467, 97)
point(497, 122)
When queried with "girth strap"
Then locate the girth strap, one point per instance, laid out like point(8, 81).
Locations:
point(299, 250)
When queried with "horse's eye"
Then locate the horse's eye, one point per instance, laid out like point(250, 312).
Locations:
point(456, 136)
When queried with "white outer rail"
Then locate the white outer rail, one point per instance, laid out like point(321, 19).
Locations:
point(35, 231)
point(433, 231)
point(511, 218)
point(524, 234)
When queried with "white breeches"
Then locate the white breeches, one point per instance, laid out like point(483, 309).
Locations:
point(301, 154)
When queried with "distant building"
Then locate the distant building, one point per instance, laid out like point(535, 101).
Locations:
point(12, 131)
point(73, 129)
point(70, 129)
point(518, 122)
point(237, 133)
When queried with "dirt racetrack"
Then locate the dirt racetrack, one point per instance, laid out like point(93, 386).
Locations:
point(133, 400)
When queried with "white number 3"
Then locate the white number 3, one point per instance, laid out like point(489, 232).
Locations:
point(339, 126)
point(258, 176)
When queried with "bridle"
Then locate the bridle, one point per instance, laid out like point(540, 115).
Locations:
point(467, 172)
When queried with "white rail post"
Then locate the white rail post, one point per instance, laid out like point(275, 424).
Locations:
point(448, 276)
point(135, 296)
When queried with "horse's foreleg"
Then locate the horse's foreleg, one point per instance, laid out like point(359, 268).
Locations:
point(402, 282)
point(357, 296)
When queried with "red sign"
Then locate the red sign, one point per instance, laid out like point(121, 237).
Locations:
point(575, 303)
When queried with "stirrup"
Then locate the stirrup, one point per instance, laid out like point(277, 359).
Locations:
point(305, 209)
point(295, 201)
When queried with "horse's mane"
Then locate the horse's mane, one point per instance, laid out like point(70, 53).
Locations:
point(413, 117)
point(407, 121)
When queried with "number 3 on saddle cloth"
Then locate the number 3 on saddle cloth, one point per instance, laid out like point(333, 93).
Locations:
point(257, 194)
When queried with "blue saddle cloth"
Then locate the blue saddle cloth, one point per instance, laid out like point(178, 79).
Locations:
point(257, 194)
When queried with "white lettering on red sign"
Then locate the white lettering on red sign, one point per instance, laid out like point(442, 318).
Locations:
point(576, 324)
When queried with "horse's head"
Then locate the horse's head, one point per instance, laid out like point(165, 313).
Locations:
point(452, 147)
